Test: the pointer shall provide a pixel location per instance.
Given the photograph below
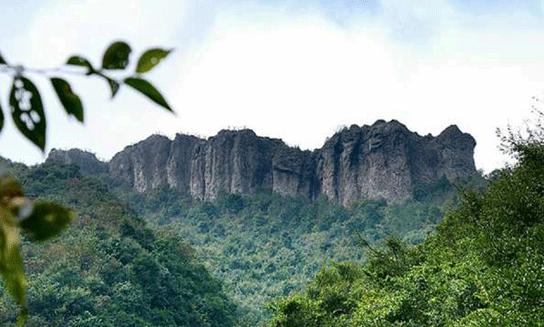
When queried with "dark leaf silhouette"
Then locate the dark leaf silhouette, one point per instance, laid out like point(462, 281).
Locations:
point(116, 56)
point(70, 100)
point(82, 62)
point(46, 220)
point(148, 90)
point(27, 111)
point(1, 118)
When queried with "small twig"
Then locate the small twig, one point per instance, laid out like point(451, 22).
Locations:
point(42, 71)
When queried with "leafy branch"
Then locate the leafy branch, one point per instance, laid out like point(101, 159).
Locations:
point(25, 103)
point(41, 220)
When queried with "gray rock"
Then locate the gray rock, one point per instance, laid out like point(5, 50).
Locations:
point(384, 160)
point(87, 162)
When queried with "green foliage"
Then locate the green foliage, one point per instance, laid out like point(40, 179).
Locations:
point(26, 103)
point(483, 267)
point(42, 220)
point(11, 263)
point(147, 89)
point(109, 268)
point(70, 100)
point(27, 110)
point(116, 56)
point(46, 221)
point(81, 62)
point(150, 59)
point(268, 246)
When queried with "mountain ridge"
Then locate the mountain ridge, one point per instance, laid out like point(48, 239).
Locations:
point(384, 160)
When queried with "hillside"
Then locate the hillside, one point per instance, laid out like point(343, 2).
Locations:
point(257, 248)
point(109, 268)
point(267, 246)
point(265, 241)
point(483, 267)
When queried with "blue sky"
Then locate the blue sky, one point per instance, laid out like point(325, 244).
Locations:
point(297, 70)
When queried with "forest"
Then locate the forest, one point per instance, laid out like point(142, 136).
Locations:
point(462, 254)
point(230, 258)
point(458, 254)
point(226, 208)
point(281, 261)
point(482, 267)
point(109, 268)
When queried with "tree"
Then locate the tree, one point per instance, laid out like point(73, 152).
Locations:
point(482, 266)
point(38, 219)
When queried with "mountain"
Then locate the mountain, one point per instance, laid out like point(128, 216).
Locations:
point(382, 161)
point(483, 265)
point(109, 268)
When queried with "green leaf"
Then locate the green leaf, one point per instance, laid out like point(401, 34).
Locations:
point(148, 90)
point(9, 189)
point(23, 316)
point(150, 59)
point(46, 220)
point(2, 60)
point(11, 262)
point(82, 62)
point(70, 100)
point(114, 85)
point(116, 56)
point(27, 110)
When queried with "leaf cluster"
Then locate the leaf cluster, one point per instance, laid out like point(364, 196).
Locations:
point(25, 101)
point(40, 220)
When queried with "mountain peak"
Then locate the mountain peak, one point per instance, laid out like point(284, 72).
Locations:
point(88, 162)
point(385, 160)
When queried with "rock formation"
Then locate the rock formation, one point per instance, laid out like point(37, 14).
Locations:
point(384, 160)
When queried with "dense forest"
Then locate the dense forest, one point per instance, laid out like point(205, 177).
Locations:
point(463, 254)
point(112, 263)
point(268, 246)
point(109, 269)
point(216, 196)
point(484, 266)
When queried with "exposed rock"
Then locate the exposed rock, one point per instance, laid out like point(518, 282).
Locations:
point(87, 162)
point(384, 160)
point(143, 165)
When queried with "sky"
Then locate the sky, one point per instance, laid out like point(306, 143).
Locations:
point(296, 70)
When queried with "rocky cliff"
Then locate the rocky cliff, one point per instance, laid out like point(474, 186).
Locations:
point(384, 160)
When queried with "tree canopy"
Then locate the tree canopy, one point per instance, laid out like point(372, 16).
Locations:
point(482, 267)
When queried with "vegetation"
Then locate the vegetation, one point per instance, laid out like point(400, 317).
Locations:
point(25, 102)
point(43, 220)
point(268, 246)
point(479, 266)
point(483, 267)
point(108, 268)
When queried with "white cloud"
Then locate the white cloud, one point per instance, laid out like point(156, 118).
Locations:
point(294, 74)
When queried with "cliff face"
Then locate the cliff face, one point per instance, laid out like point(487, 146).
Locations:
point(384, 160)
point(87, 162)
point(230, 162)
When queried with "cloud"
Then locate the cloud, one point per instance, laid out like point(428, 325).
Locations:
point(295, 71)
